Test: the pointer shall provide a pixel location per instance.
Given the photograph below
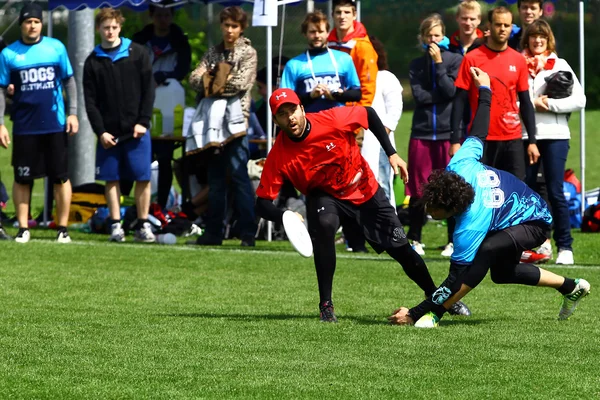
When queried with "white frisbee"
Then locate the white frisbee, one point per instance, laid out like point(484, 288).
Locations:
point(297, 234)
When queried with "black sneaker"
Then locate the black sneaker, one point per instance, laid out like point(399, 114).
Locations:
point(4, 235)
point(206, 240)
point(248, 242)
point(327, 314)
point(459, 308)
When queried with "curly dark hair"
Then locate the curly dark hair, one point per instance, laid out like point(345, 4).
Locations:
point(448, 191)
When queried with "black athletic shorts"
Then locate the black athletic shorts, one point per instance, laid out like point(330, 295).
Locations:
point(381, 226)
point(37, 156)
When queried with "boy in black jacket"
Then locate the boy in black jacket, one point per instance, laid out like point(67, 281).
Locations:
point(119, 95)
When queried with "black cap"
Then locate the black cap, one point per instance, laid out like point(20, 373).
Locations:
point(30, 10)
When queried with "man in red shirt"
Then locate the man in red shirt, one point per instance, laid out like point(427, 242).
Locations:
point(508, 72)
point(318, 154)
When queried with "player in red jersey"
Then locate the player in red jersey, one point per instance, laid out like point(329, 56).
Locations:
point(509, 76)
point(318, 154)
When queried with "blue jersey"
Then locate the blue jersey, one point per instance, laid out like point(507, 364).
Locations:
point(331, 67)
point(501, 201)
point(37, 71)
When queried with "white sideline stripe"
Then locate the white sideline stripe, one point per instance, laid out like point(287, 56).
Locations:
point(255, 251)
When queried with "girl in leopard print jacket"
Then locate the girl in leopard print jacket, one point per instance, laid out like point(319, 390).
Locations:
point(243, 60)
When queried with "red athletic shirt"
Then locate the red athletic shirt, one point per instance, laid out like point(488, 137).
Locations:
point(327, 159)
point(508, 75)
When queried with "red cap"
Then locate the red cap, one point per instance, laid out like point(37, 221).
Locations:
point(283, 96)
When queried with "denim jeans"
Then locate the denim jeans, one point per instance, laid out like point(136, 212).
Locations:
point(554, 158)
point(232, 163)
point(385, 170)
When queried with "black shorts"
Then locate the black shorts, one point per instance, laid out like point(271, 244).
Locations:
point(37, 156)
point(381, 226)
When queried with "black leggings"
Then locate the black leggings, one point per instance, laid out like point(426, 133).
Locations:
point(324, 227)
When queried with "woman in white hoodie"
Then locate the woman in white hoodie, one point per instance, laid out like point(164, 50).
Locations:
point(552, 123)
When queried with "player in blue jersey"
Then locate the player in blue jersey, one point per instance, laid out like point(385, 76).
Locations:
point(38, 67)
point(497, 218)
point(322, 78)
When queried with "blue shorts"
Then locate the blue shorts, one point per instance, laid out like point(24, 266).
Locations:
point(128, 160)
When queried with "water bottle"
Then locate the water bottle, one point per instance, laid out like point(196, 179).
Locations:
point(157, 123)
point(166, 238)
point(178, 121)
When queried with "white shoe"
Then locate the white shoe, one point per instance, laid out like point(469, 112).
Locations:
point(117, 234)
point(63, 237)
point(545, 249)
point(144, 234)
point(565, 257)
point(448, 250)
point(418, 248)
point(570, 301)
point(23, 236)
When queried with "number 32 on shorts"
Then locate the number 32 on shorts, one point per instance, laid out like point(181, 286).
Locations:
point(23, 171)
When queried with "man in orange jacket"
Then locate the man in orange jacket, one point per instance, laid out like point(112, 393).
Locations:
point(351, 37)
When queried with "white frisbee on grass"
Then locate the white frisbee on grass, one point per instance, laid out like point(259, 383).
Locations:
point(297, 233)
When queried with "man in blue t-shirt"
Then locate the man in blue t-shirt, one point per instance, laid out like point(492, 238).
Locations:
point(322, 78)
point(497, 218)
point(38, 67)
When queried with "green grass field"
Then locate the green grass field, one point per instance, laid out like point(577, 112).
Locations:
point(104, 321)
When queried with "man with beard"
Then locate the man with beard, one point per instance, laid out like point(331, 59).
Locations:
point(318, 154)
point(509, 81)
point(322, 78)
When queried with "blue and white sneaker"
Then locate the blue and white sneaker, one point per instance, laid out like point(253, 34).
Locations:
point(570, 301)
point(429, 320)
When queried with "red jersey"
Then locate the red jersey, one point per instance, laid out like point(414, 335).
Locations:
point(508, 75)
point(327, 159)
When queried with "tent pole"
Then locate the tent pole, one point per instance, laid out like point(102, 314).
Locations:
point(209, 20)
point(82, 147)
point(46, 212)
point(269, 115)
point(330, 12)
point(310, 6)
point(358, 13)
point(582, 113)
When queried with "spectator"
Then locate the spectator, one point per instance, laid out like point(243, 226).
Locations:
point(233, 62)
point(38, 114)
point(171, 56)
point(322, 78)
point(529, 11)
point(432, 79)
point(351, 37)
point(388, 105)
point(119, 93)
point(553, 134)
point(468, 36)
point(503, 148)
